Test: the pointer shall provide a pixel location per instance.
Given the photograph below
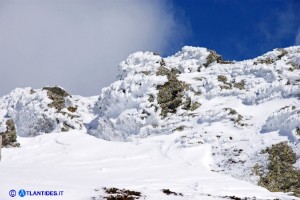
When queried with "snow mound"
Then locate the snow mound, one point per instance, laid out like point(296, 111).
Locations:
point(34, 113)
point(286, 120)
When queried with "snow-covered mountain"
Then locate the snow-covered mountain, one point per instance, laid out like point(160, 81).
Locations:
point(190, 123)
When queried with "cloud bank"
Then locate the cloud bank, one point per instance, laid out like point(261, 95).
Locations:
point(78, 43)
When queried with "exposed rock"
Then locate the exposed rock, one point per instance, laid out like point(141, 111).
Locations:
point(195, 106)
point(235, 116)
point(281, 175)
point(72, 109)
point(32, 91)
point(169, 192)
point(283, 52)
point(151, 98)
point(225, 85)
point(146, 72)
point(170, 94)
point(179, 128)
point(121, 194)
point(213, 57)
point(298, 131)
point(9, 137)
point(268, 60)
point(240, 85)
point(188, 105)
point(57, 95)
point(66, 127)
point(222, 78)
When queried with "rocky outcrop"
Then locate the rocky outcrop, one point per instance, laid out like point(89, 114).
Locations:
point(46, 110)
point(57, 95)
point(170, 94)
point(281, 175)
point(9, 137)
point(212, 57)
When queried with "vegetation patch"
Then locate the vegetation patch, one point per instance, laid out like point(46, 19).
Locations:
point(57, 95)
point(282, 176)
point(170, 94)
point(9, 137)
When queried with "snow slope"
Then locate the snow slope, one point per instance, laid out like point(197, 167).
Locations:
point(77, 164)
point(191, 123)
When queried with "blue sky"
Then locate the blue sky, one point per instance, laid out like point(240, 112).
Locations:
point(240, 29)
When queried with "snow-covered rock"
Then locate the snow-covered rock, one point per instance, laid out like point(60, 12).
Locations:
point(137, 102)
point(238, 109)
point(36, 112)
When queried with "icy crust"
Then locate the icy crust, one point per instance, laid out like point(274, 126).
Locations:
point(33, 116)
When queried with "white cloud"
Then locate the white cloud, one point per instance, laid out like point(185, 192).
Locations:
point(78, 43)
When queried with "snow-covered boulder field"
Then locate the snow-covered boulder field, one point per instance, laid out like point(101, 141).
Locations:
point(243, 115)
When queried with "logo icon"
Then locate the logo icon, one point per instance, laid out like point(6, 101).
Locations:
point(22, 193)
point(12, 193)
